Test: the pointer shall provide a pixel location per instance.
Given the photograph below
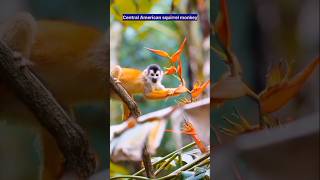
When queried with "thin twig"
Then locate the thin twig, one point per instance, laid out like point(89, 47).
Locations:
point(168, 156)
point(146, 158)
point(164, 165)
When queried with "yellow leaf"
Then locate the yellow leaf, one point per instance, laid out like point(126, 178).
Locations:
point(274, 98)
point(119, 7)
point(116, 170)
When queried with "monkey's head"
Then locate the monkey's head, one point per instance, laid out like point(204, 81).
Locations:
point(153, 74)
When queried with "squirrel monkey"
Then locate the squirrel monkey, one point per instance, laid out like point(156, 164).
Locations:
point(147, 82)
point(70, 58)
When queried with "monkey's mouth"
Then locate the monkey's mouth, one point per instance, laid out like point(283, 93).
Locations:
point(154, 80)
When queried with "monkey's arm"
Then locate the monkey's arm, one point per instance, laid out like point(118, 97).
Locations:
point(166, 92)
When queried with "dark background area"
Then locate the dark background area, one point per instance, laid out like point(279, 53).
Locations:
point(20, 146)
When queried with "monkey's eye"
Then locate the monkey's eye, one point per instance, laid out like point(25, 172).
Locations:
point(151, 74)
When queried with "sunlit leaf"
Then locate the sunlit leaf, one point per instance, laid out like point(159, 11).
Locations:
point(116, 170)
point(277, 96)
point(129, 145)
point(119, 7)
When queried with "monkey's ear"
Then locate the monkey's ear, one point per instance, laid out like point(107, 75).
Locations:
point(145, 72)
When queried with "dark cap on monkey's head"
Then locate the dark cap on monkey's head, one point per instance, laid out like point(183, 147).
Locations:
point(154, 67)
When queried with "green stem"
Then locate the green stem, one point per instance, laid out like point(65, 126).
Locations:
point(167, 157)
point(188, 166)
point(129, 176)
point(202, 163)
point(165, 164)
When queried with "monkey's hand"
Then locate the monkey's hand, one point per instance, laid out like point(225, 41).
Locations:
point(167, 92)
point(116, 73)
point(22, 61)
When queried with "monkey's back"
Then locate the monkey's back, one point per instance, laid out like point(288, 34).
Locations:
point(131, 80)
point(62, 60)
point(61, 57)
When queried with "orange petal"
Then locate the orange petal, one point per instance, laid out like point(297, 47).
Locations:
point(159, 52)
point(176, 55)
point(171, 70)
point(222, 25)
point(189, 129)
point(274, 98)
point(198, 90)
point(277, 73)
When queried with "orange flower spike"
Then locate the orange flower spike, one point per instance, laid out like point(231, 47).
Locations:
point(159, 52)
point(179, 71)
point(176, 55)
point(222, 25)
point(274, 98)
point(190, 130)
point(171, 70)
point(198, 89)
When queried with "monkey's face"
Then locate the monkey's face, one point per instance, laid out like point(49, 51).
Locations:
point(154, 74)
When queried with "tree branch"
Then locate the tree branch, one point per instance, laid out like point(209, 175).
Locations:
point(135, 112)
point(125, 97)
point(70, 137)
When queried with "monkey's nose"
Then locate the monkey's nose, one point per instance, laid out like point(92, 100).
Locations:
point(154, 80)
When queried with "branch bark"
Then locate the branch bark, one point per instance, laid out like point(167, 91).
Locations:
point(135, 113)
point(70, 137)
point(125, 97)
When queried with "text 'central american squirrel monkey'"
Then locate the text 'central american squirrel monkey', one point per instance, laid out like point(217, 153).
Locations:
point(70, 59)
